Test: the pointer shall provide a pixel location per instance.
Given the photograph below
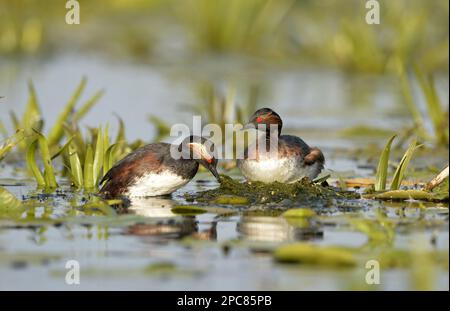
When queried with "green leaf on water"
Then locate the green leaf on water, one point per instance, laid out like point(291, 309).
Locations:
point(304, 253)
point(299, 213)
point(408, 195)
point(188, 210)
point(10, 206)
point(8, 201)
point(381, 176)
point(401, 168)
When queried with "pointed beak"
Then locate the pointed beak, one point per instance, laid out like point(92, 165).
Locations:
point(213, 171)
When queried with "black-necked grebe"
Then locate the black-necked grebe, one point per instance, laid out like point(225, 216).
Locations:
point(152, 170)
point(293, 161)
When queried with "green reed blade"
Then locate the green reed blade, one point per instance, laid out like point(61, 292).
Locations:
point(98, 156)
point(106, 145)
point(109, 158)
point(434, 106)
point(74, 131)
point(14, 120)
point(57, 132)
point(401, 168)
point(75, 167)
point(381, 176)
point(49, 174)
point(32, 165)
point(61, 150)
point(89, 169)
point(32, 115)
point(87, 106)
point(10, 143)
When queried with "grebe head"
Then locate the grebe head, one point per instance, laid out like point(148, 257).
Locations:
point(263, 119)
point(202, 151)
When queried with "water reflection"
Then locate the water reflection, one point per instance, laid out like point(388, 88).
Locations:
point(171, 226)
point(278, 229)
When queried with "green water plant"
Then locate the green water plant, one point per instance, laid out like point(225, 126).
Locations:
point(88, 161)
point(32, 119)
point(435, 112)
point(47, 179)
point(10, 143)
point(309, 254)
point(383, 163)
point(244, 193)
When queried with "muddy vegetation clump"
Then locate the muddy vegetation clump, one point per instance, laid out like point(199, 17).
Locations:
point(231, 191)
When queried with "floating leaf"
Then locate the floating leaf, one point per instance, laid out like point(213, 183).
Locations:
point(299, 213)
point(304, 253)
point(188, 210)
point(8, 201)
point(406, 195)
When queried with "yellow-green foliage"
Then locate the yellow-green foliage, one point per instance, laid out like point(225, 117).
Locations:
point(382, 169)
point(309, 254)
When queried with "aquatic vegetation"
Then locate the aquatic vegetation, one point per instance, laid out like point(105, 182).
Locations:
point(410, 194)
point(435, 111)
point(299, 213)
point(8, 202)
point(382, 168)
point(10, 143)
point(309, 254)
point(47, 180)
point(33, 120)
point(381, 175)
point(188, 210)
point(257, 192)
point(99, 156)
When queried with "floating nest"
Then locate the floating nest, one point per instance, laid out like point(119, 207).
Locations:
point(243, 193)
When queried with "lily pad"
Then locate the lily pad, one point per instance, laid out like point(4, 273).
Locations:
point(299, 213)
point(188, 210)
point(304, 253)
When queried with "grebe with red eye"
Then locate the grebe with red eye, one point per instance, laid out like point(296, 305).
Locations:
point(152, 170)
point(293, 161)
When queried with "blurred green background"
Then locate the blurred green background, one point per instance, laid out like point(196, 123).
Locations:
point(328, 33)
point(314, 61)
